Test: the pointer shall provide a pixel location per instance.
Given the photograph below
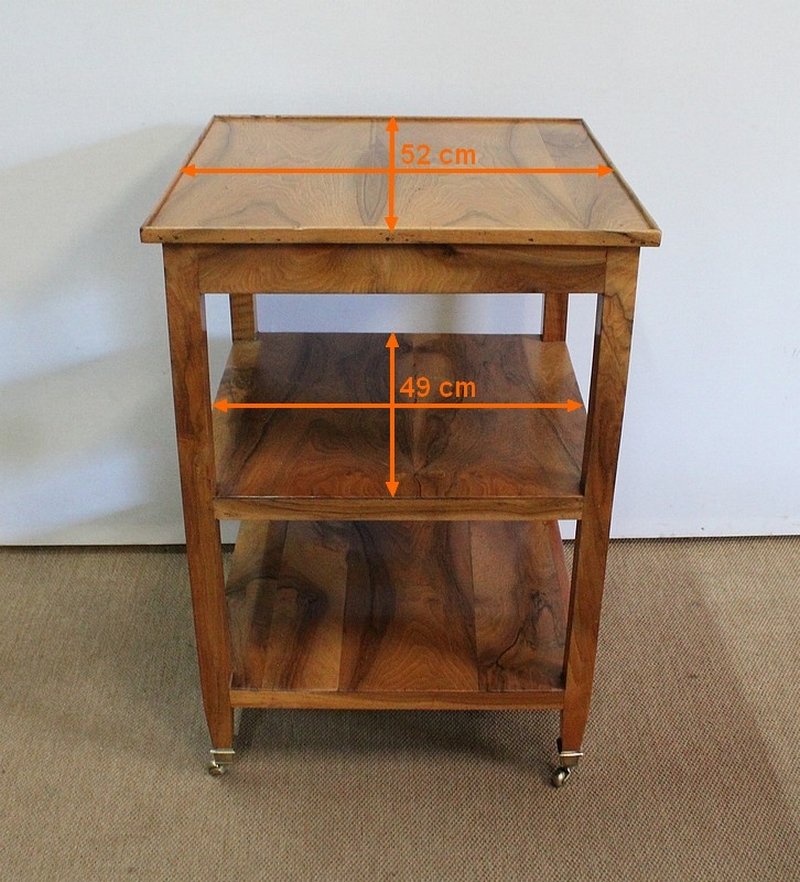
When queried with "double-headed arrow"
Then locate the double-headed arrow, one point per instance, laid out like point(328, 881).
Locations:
point(392, 405)
point(391, 218)
point(391, 345)
point(193, 170)
point(569, 405)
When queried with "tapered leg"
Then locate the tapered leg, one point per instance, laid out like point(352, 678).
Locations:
point(190, 385)
point(604, 425)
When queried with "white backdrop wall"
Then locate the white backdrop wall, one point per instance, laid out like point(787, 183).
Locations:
point(696, 102)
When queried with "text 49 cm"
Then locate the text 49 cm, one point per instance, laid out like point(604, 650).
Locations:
point(420, 387)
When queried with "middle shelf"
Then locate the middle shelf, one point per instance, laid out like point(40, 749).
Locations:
point(451, 464)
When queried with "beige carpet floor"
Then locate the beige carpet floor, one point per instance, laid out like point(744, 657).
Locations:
point(691, 769)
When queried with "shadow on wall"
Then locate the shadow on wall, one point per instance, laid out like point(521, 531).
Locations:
point(87, 449)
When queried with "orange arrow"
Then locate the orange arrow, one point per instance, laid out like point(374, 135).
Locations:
point(568, 405)
point(391, 218)
point(391, 345)
point(192, 171)
point(599, 170)
point(224, 405)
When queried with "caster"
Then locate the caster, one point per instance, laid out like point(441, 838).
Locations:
point(560, 776)
point(221, 758)
point(568, 760)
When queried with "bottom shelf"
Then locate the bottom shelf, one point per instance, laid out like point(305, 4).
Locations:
point(428, 615)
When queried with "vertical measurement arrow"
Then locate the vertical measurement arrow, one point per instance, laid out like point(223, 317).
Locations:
point(391, 218)
point(391, 345)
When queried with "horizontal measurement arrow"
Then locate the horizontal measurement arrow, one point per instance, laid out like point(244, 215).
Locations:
point(599, 170)
point(224, 405)
point(568, 405)
point(193, 170)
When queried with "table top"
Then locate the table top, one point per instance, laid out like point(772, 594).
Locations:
point(259, 179)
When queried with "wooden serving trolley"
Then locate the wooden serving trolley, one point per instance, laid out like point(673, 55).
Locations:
point(399, 494)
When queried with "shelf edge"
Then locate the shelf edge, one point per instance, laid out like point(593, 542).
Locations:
point(400, 509)
point(333, 700)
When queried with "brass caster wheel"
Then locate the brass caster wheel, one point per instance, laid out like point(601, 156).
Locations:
point(221, 758)
point(568, 760)
point(560, 776)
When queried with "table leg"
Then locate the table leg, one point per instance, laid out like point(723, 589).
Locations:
point(244, 325)
point(190, 385)
point(604, 425)
point(554, 316)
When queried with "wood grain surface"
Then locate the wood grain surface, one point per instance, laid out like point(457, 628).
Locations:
point(408, 621)
point(520, 629)
point(402, 269)
point(450, 459)
point(345, 614)
point(553, 209)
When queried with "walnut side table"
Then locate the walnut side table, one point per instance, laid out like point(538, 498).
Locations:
point(399, 542)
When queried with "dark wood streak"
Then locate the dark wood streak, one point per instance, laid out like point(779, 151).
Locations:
point(370, 608)
point(520, 612)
